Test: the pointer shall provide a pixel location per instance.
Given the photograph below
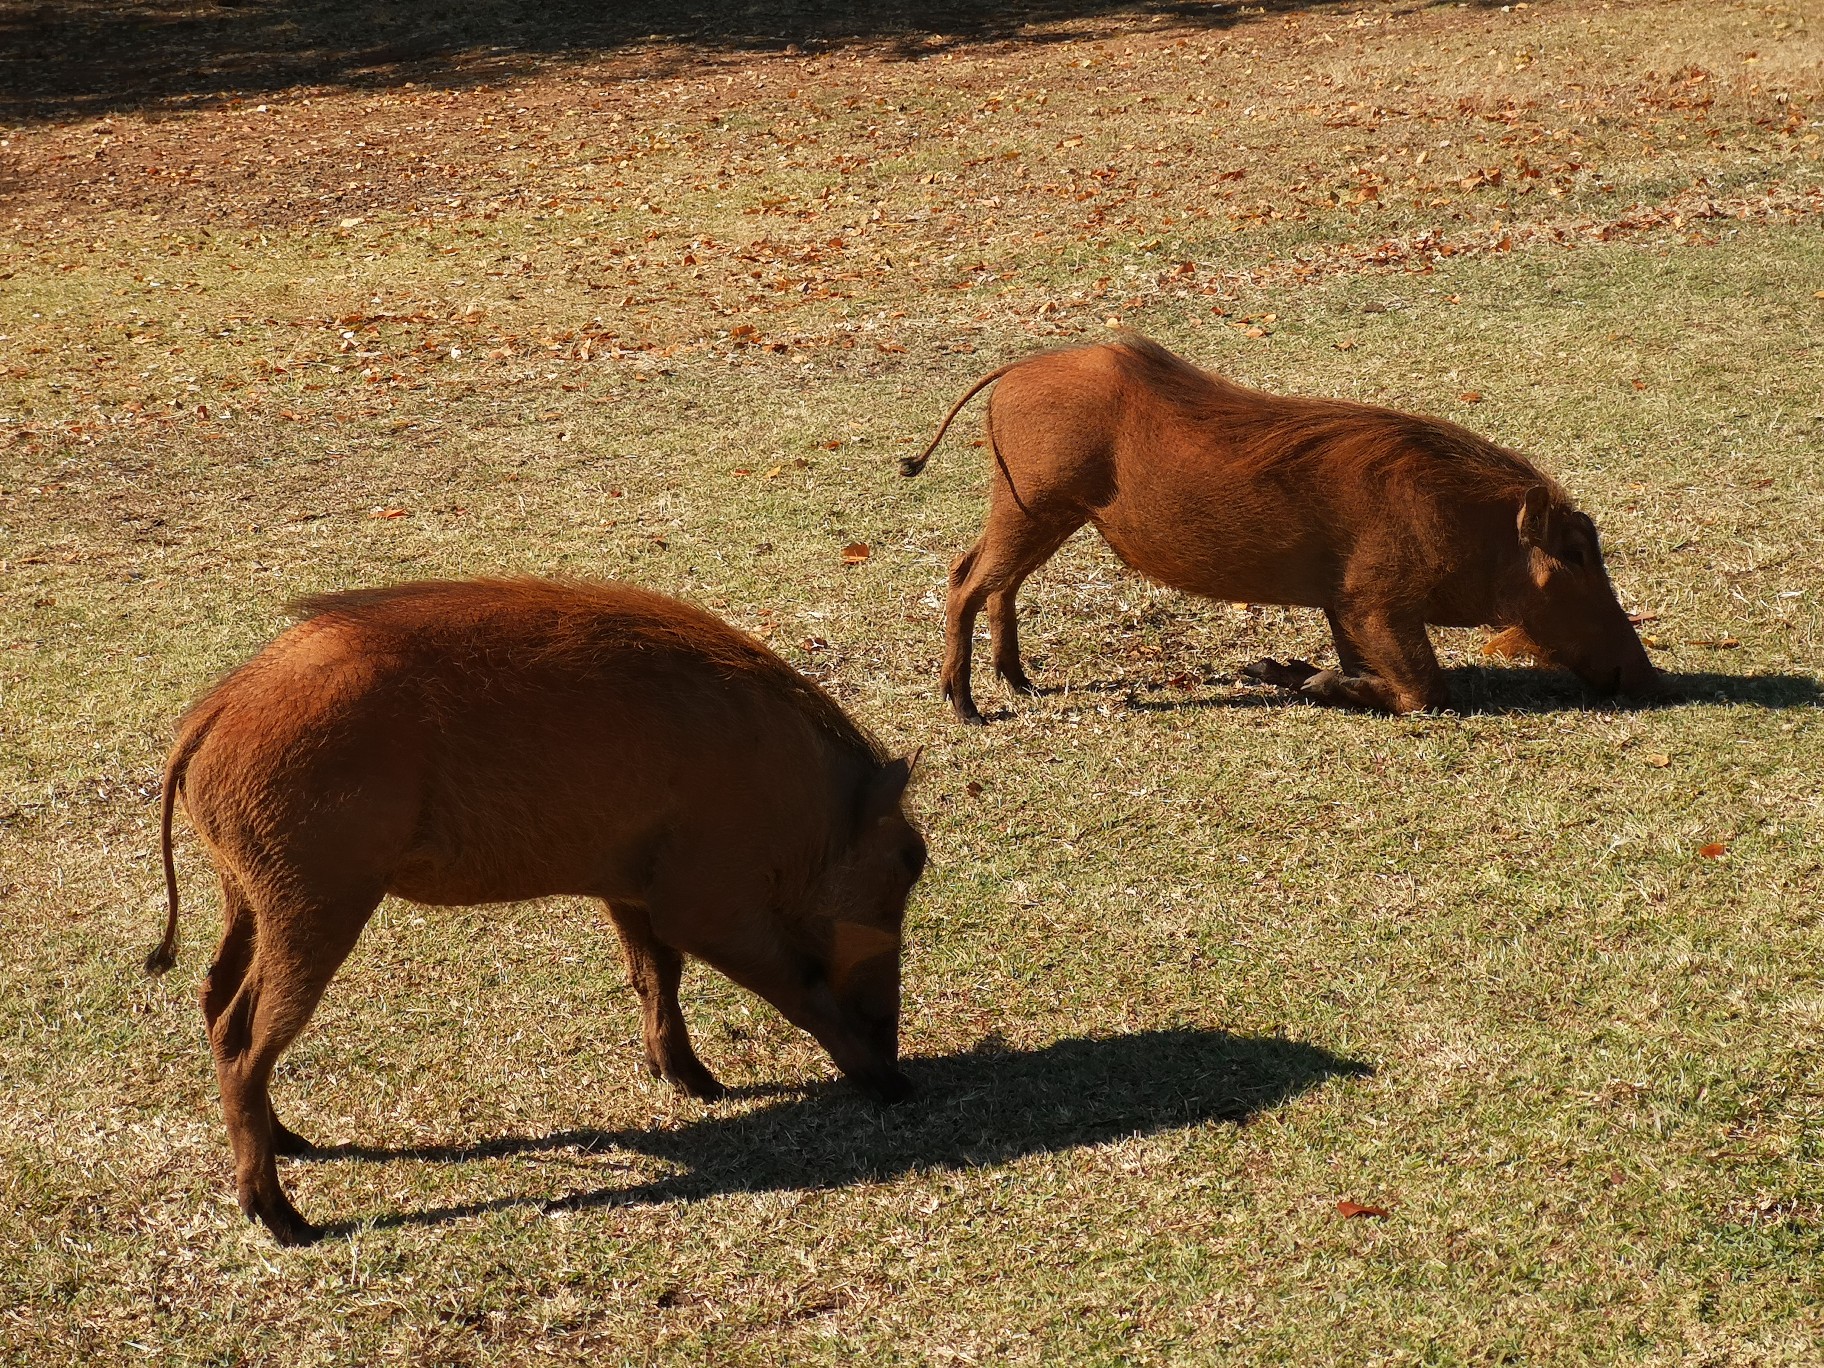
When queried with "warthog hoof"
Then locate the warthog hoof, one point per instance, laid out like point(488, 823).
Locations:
point(699, 1083)
point(688, 1077)
point(288, 1142)
point(1282, 674)
point(282, 1219)
point(889, 1088)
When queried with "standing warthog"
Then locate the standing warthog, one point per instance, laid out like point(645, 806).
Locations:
point(459, 743)
point(1387, 521)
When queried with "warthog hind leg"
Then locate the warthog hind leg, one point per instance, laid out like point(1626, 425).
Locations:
point(1013, 544)
point(296, 951)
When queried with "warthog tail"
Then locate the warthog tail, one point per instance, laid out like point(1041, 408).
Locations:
point(911, 465)
point(165, 955)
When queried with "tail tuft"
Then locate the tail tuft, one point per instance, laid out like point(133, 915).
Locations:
point(911, 465)
point(160, 960)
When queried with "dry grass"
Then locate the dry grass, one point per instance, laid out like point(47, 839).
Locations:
point(1190, 966)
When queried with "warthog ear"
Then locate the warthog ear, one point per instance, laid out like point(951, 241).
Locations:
point(1535, 516)
point(887, 787)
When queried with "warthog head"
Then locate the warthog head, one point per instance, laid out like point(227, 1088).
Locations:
point(1567, 607)
point(852, 961)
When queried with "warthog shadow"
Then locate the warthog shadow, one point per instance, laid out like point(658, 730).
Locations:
point(1515, 688)
point(1499, 689)
point(83, 60)
point(973, 1110)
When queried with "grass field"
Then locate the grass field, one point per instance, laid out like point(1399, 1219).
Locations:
point(296, 297)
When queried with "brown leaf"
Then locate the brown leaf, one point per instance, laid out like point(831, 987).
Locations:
point(1344, 344)
point(1471, 396)
point(390, 513)
point(854, 553)
point(1512, 643)
point(1655, 759)
point(1727, 643)
point(1714, 851)
point(1350, 1210)
point(973, 789)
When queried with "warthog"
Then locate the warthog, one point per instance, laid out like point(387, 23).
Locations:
point(460, 743)
point(1387, 521)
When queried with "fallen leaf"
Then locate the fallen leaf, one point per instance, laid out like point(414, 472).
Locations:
point(854, 553)
point(1350, 1210)
point(389, 513)
point(1714, 851)
point(1727, 643)
point(1655, 759)
point(1471, 396)
point(1512, 643)
point(1345, 344)
point(774, 473)
point(973, 789)
point(741, 470)
point(1638, 618)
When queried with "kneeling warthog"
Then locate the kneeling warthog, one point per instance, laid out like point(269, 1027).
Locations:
point(460, 743)
point(1387, 521)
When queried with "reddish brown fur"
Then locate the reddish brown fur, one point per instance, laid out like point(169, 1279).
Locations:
point(459, 743)
point(1387, 521)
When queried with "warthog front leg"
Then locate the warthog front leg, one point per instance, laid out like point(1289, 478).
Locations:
point(1398, 671)
point(656, 970)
